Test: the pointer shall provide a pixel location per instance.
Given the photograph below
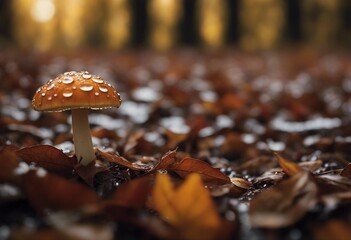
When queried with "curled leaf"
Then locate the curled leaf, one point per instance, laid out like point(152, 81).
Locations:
point(115, 158)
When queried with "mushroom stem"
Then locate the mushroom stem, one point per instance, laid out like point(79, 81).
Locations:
point(81, 136)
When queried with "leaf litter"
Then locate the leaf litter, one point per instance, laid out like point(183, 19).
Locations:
point(237, 150)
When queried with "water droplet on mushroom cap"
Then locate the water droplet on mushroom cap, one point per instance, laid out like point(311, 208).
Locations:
point(67, 80)
point(86, 75)
point(97, 80)
point(103, 89)
point(52, 85)
point(67, 94)
point(86, 87)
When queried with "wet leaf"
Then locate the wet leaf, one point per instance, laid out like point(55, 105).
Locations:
point(189, 207)
point(48, 157)
point(49, 191)
point(241, 183)
point(285, 203)
point(288, 167)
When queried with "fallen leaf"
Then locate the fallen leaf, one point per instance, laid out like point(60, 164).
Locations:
point(284, 203)
point(346, 172)
point(288, 167)
point(333, 229)
point(48, 157)
point(241, 183)
point(167, 160)
point(8, 164)
point(115, 158)
point(131, 194)
point(49, 191)
point(88, 173)
point(189, 208)
point(208, 173)
point(311, 166)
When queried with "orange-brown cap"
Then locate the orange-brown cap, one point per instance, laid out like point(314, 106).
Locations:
point(75, 90)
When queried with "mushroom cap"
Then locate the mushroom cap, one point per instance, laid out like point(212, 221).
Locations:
point(73, 90)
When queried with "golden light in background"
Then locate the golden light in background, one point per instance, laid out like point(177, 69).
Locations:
point(35, 23)
point(71, 22)
point(321, 22)
point(118, 23)
point(51, 24)
point(212, 21)
point(164, 18)
point(76, 17)
point(261, 23)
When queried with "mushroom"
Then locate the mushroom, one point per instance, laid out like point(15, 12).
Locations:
point(78, 92)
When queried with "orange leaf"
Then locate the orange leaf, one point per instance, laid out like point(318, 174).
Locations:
point(288, 167)
point(188, 208)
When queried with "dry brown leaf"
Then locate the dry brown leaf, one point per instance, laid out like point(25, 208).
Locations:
point(167, 160)
point(48, 157)
point(288, 167)
point(189, 208)
point(115, 158)
point(49, 191)
point(208, 173)
point(285, 203)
